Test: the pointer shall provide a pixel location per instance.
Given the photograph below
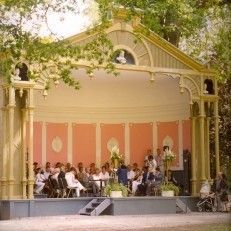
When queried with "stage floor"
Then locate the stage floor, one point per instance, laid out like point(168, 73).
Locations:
point(10, 209)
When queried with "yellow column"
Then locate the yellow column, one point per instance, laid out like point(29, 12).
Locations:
point(23, 154)
point(11, 107)
point(202, 140)
point(207, 143)
point(30, 146)
point(193, 157)
point(217, 155)
point(4, 156)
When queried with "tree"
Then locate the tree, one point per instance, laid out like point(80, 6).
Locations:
point(50, 57)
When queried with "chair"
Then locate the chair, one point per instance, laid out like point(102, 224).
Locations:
point(51, 189)
point(56, 188)
point(67, 188)
point(63, 185)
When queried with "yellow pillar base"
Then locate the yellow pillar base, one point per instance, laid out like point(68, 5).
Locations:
point(11, 188)
point(24, 184)
point(193, 187)
point(3, 188)
point(31, 189)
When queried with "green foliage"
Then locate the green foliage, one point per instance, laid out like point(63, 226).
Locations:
point(115, 186)
point(169, 186)
point(224, 131)
point(47, 58)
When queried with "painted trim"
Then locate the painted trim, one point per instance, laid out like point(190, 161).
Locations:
point(98, 145)
point(44, 143)
point(127, 144)
point(69, 143)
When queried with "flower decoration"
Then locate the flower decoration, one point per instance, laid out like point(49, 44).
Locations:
point(168, 156)
point(115, 153)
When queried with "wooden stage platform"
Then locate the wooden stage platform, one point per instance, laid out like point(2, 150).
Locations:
point(10, 209)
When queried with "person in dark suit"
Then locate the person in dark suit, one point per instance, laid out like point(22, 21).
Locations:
point(122, 173)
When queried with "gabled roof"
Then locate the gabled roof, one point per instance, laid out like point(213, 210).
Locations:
point(151, 36)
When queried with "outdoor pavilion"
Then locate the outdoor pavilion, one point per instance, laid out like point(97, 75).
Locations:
point(161, 97)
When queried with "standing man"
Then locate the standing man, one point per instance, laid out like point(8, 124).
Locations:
point(159, 160)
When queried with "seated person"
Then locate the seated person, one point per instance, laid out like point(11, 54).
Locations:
point(135, 167)
point(61, 176)
point(39, 181)
point(47, 172)
point(149, 153)
point(68, 167)
point(156, 182)
point(130, 175)
point(108, 168)
point(151, 163)
point(55, 174)
point(72, 182)
point(96, 184)
point(80, 166)
point(104, 176)
point(147, 178)
point(137, 180)
point(159, 160)
point(92, 168)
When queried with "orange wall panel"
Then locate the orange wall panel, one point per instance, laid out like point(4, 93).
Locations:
point(57, 135)
point(187, 134)
point(109, 131)
point(169, 129)
point(141, 139)
point(84, 143)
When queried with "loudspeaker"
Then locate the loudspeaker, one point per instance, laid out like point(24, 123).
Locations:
point(183, 176)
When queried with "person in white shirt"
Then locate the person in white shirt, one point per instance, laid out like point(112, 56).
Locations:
point(47, 173)
point(159, 160)
point(130, 176)
point(104, 176)
point(72, 182)
point(39, 181)
point(149, 153)
point(152, 163)
point(131, 173)
point(96, 182)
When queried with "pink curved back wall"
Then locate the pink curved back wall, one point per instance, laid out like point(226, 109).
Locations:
point(83, 140)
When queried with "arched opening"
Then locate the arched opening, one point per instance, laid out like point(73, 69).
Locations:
point(123, 57)
point(23, 71)
point(209, 89)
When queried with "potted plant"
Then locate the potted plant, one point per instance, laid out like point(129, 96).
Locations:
point(168, 189)
point(116, 157)
point(168, 157)
point(116, 190)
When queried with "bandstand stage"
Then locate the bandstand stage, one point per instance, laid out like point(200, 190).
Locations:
point(11, 209)
point(161, 97)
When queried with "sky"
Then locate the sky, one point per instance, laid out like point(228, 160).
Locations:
point(68, 24)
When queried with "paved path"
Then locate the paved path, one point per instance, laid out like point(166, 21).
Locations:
point(112, 223)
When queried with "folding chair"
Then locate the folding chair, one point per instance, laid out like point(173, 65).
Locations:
point(63, 185)
point(69, 189)
point(56, 187)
